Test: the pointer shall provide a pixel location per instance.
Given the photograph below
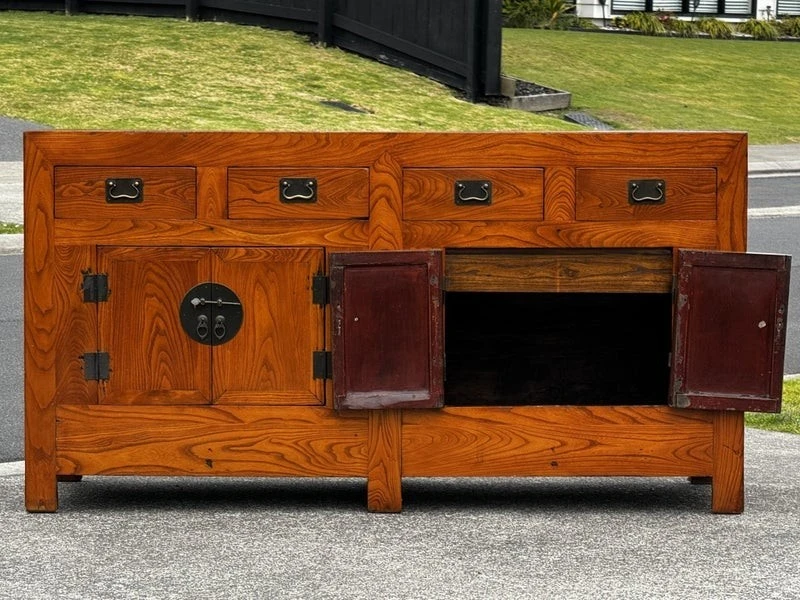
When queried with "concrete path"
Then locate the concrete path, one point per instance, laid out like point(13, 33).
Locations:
point(456, 539)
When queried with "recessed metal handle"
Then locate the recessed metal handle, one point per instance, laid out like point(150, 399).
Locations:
point(202, 327)
point(473, 192)
point(647, 191)
point(119, 191)
point(298, 190)
point(219, 327)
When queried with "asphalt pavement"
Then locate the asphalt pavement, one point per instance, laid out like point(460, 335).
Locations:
point(468, 538)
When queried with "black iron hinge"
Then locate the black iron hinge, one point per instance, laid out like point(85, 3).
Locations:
point(96, 366)
point(320, 287)
point(95, 287)
point(323, 365)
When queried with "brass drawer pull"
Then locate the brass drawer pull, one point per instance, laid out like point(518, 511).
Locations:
point(121, 191)
point(473, 192)
point(298, 190)
point(647, 191)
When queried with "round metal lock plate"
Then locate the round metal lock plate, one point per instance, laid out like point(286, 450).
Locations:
point(211, 314)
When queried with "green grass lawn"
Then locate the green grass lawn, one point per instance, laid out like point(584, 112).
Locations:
point(789, 418)
point(140, 73)
point(641, 82)
point(143, 73)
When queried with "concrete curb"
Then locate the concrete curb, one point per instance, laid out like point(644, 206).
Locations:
point(12, 468)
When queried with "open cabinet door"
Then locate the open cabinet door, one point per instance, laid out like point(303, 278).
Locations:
point(387, 339)
point(730, 331)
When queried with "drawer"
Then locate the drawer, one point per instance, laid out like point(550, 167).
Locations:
point(110, 192)
point(297, 193)
point(515, 194)
point(624, 194)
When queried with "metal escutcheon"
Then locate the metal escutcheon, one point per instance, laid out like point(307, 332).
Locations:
point(211, 314)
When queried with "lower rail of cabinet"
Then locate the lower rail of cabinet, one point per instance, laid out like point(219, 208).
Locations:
point(385, 446)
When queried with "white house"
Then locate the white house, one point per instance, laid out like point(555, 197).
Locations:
point(733, 10)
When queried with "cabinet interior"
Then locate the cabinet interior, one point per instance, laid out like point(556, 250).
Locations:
point(546, 347)
point(551, 348)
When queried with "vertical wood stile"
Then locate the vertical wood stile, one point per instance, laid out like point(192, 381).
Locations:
point(732, 200)
point(727, 487)
point(41, 327)
point(559, 194)
point(385, 210)
point(212, 193)
point(384, 487)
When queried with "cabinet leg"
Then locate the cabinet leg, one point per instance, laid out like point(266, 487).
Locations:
point(384, 489)
point(727, 487)
point(41, 488)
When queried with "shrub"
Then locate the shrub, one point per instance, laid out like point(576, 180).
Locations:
point(574, 22)
point(535, 13)
point(790, 26)
point(760, 30)
point(680, 27)
point(647, 23)
point(715, 28)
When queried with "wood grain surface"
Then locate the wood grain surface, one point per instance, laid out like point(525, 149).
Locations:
point(559, 192)
point(167, 192)
point(514, 234)
point(152, 359)
point(516, 195)
point(198, 440)
point(384, 483)
point(42, 317)
point(77, 329)
point(340, 194)
point(214, 232)
point(598, 271)
point(269, 361)
point(727, 484)
point(689, 194)
point(559, 440)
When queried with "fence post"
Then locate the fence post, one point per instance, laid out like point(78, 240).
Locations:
point(473, 50)
point(71, 7)
point(325, 22)
point(192, 10)
point(492, 46)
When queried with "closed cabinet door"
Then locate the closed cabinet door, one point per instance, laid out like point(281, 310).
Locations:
point(270, 359)
point(205, 325)
point(152, 360)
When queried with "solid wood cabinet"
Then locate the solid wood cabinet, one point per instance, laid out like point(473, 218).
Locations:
point(394, 305)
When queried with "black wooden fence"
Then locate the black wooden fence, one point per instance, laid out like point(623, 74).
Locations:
point(456, 42)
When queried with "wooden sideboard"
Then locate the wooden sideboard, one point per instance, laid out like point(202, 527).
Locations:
point(390, 305)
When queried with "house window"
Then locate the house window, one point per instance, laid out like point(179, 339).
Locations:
point(788, 8)
point(704, 7)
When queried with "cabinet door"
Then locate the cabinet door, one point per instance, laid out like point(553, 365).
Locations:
point(152, 359)
point(730, 331)
point(270, 359)
point(387, 330)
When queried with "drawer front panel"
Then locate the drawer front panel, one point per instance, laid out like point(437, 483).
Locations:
point(312, 193)
point(435, 194)
point(90, 193)
point(622, 194)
